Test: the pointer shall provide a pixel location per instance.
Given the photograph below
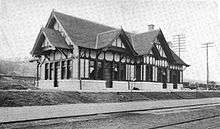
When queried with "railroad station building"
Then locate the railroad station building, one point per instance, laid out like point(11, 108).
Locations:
point(76, 54)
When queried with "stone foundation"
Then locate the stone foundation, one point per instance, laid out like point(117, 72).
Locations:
point(100, 86)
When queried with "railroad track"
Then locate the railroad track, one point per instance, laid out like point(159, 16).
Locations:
point(50, 122)
point(184, 122)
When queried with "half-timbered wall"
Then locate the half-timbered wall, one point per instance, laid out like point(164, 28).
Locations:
point(91, 64)
point(146, 68)
point(57, 66)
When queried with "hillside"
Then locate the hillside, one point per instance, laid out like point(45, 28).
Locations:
point(17, 83)
point(17, 67)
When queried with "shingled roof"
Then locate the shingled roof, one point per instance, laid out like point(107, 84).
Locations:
point(93, 35)
point(106, 38)
point(178, 60)
point(55, 38)
point(143, 42)
point(82, 32)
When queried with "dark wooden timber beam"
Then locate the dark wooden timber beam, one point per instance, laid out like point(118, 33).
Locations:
point(62, 52)
point(47, 57)
point(98, 53)
point(121, 57)
point(42, 62)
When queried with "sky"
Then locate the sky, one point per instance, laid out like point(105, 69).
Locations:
point(21, 21)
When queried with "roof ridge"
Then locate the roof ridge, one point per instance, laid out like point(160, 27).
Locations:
point(84, 19)
point(107, 31)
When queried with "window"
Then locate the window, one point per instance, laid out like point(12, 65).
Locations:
point(174, 76)
point(84, 68)
point(122, 72)
point(51, 71)
point(130, 72)
point(164, 86)
point(69, 69)
point(149, 73)
point(89, 69)
point(175, 86)
point(138, 72)
point(57, 67)
point(46, 71)
point(118, 43)
point(159, 74)
point(63, 69)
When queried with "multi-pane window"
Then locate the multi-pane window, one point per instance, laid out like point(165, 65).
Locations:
point(130, 72)
point(90, 69)
point(54, 71)
point(118, 43)
point(84, 68)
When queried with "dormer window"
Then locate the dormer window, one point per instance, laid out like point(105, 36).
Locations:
point(118, 43)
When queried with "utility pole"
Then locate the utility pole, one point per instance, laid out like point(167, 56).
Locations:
point(179, 43)
point(207, 46)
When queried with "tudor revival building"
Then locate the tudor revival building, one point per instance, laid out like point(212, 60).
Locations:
point(77, 54)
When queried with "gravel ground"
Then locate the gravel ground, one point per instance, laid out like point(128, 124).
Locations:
point(135, 120)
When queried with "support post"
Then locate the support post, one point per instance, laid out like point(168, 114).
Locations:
point(206, 46)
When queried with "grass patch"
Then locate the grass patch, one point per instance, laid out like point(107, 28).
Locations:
point(40, 98)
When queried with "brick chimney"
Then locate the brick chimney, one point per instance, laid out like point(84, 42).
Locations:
point(150, 27)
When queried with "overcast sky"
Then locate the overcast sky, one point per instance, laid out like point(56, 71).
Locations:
point(21, 21)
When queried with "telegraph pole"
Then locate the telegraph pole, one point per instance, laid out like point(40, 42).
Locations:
point(179, 43)
point(207, 46)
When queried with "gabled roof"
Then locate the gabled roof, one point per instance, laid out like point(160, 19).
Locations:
point(143, 42)
point(178, 60)
point(89, 34)
point(106, 38)
point(82, 32)
point(54, 38)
